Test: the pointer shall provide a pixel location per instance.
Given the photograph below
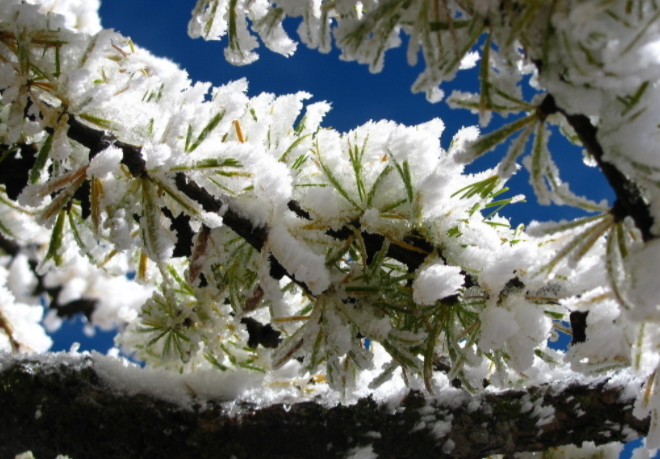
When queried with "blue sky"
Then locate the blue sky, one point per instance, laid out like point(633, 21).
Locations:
point(357, 96)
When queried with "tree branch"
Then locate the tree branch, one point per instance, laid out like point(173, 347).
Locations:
point(630, 200)
point(255, 236)
point(68, 408)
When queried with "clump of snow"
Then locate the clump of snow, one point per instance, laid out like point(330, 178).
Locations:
point(441, 428)
point(179, 389)
point(498, 324)
point(307, 266)
point(362, 452)
point(29, 455)
point(20, 323)
point(436, 281)
point(469, 60)
point(81, 15)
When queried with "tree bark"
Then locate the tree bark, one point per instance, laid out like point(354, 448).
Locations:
point(66, 407)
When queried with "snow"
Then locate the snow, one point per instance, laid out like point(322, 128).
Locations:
point(20, 323)
point(440, 429)
point(362, 452)
point(81, 15)
point(29, 455)
point(304, 264)
point(645, 289)
point(436, 281)
point(643, 452)
point(499, 325)
point(469, 60)
point(181, 390)
point(448, 446)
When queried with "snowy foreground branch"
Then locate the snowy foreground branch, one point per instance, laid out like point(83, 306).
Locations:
point(95, 406)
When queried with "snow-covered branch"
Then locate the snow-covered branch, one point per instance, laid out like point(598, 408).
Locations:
point(96, 406)
point(412, 254)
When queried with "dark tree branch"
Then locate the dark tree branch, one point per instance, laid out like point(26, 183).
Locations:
point(254, 235)
point(578, 326)
point(68, 409)
point(630, 200)
point(8, 246)
point(15, 167)
point(97, 141)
